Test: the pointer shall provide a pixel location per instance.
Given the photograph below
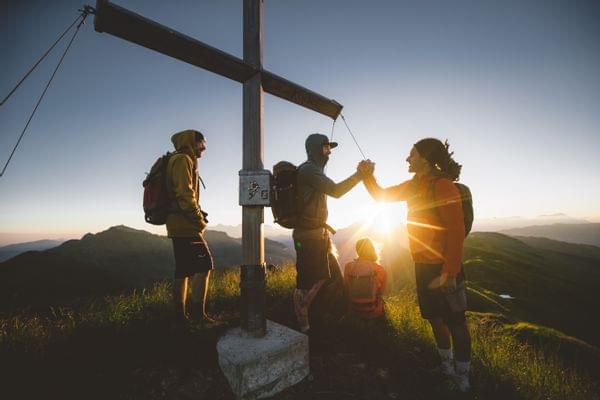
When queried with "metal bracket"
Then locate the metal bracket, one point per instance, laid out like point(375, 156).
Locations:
point(255, 188)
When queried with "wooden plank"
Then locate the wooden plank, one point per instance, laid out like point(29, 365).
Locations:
point(132, 27)
point(281, 87)
point(127, 25)
point(252, 286)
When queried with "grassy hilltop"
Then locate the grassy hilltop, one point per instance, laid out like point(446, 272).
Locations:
point(128, 346)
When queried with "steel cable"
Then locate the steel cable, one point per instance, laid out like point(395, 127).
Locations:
point(84, 15)
point(40, 60)
point(353, 138)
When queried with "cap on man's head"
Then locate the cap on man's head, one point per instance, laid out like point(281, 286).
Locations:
point(332, 145)
point(319, 138)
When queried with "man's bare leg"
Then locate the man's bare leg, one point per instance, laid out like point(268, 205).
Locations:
point(302, 301)
point(180, 289)
point(198, 296)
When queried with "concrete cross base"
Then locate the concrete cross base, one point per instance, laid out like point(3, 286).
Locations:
point(258, 368)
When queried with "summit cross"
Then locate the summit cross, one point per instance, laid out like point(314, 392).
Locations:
point(254, 179)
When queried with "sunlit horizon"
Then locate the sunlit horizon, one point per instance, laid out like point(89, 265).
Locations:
point(514, 89)
point(382, 220)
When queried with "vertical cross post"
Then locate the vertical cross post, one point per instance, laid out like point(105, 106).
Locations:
point(253, 277)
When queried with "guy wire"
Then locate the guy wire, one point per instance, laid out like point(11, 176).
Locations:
point(39, 61)
point(44, 92)
point(353, 138)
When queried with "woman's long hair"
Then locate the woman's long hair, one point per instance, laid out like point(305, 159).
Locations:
point(365, 249)
point(440, 158)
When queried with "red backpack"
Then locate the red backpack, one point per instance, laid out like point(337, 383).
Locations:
point(157, 198)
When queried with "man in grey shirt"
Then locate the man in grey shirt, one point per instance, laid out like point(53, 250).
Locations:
point(317, 267)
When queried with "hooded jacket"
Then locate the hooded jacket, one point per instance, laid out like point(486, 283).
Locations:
point(314, 187)
point(182, 180)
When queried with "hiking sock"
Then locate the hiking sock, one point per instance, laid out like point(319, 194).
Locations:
point(447, 361)
point(462, 375)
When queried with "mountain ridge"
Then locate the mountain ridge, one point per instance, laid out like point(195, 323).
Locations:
point(588, 233)
point(119, 258)
point(12, 250)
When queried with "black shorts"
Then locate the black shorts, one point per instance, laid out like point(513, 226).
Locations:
point(434, 303)
point(192, 256)
point(313, 248)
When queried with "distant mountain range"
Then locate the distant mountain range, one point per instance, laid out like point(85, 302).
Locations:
point(540, 280)
point(119, 258)
point(271, 232)
point(573, 233)
point(12, 250)
point(284, 236)
point(499, 224)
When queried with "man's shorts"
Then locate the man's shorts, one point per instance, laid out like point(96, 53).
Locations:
point(312, 256)
point(434, 303)
point(192, 256)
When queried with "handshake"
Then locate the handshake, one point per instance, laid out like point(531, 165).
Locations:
point(365, 168)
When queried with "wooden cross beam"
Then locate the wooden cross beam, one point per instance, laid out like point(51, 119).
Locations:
point(120, 22)
point(132, 27)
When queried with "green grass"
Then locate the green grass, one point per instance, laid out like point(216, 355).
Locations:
point(103, 345)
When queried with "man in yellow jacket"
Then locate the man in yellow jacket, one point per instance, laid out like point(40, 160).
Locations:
point(185, 225)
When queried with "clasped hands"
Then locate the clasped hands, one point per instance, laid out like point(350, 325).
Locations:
point(365, 168)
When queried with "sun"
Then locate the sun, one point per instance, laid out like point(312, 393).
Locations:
point(384, 219)
point(381, 221)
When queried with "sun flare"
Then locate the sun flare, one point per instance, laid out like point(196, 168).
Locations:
point(384, 219)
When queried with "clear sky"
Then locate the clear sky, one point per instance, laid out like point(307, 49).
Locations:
point(513, 85)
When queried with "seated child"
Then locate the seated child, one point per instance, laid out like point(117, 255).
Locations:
point(365, 281)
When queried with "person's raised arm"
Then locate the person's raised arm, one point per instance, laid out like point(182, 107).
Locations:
point(320, 182)
point(393, 193)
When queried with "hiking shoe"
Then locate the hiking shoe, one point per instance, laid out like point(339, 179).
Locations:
point(447, 368)
point(207, 320)
point(182, 318)
point(444, 371)
point(462, 382)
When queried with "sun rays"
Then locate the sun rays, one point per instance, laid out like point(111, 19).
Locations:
point(379, 224)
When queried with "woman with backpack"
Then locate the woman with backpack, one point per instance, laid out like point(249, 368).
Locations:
point(365, 282)
point(436, 227)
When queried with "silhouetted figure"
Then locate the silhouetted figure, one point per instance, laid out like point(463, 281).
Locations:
point(318, 271)
point(436, 231)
